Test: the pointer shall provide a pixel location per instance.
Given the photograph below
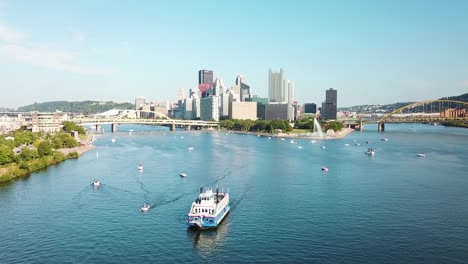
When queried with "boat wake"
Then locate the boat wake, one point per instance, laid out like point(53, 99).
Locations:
point(177, 198)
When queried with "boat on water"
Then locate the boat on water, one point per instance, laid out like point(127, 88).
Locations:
point(421, 155)
point(299, 147)
point(324, 168)
point(145, 207)
point(357, 144)
point(313, 141)
point(113, 140)
point(369, 152)
point(346, 145)
point(293, 142)
point(183, 174)
point(96, 183)
point(323, 147)
point(190, 148)
point(384, 139)
point(282, 139)
point(209, 209)
point(140, 166)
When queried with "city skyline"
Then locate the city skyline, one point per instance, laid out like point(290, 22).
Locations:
point(371, 52)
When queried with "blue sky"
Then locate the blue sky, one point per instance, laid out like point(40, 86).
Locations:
point(370, 51)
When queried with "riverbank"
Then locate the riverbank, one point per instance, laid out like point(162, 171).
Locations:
point(338, 135)
point(19, 169)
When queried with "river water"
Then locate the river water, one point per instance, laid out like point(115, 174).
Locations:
point(393, 207)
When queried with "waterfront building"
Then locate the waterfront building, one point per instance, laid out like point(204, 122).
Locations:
point(277, 92)
point(139, 102)
point(454, 113)
point(290, 86)
point(329, 107)
point(196, 107)
point(224, 111)
point(45, 122)
point(186, 109)
point(261, 102)
point(209, 108)
point(10, 123)
point(243, 110)
point(279, 111)
point(310, 108)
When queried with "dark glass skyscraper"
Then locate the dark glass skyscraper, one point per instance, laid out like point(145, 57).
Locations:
point(205, 76)
point(330, 104)
point(310, 108)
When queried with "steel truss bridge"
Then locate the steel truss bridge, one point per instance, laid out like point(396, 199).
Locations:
point(431, 111)
point(153, 118)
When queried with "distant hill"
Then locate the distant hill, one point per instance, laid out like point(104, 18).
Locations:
point(85, 107)
point(387, 108)
point(6, 109)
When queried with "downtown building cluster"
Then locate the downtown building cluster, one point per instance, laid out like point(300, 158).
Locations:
point(212, 100)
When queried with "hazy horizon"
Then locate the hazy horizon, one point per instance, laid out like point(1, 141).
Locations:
point(371, 52)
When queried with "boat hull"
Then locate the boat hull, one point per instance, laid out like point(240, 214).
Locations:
point(209, 222)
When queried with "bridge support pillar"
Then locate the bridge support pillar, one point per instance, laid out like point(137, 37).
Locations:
point(172, 127)
point(98, 128)
point(188, 127)
point(381, 127)
point(361, 125)
point(114, 128)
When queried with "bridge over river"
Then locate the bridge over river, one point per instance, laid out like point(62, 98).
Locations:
point(432, 111)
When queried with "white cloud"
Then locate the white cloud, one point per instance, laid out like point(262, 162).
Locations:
point(14, 48)
point(8, 35)
point(57, 60)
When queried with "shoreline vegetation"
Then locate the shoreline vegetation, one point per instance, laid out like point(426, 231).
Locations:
point(303, 128)
point(25, 152)
point(455, 123)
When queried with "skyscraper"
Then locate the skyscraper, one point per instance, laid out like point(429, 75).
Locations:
point(276, 89)
point(290, 86)
point(205, 76)
point(330, 104)
point(139, 102)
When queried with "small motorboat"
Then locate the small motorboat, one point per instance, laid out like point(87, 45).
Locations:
point(384, 139)
point(324, 168)
point(258, 135)
point(269, 137)
point(421, 155)
point(113, 140)
point(346, 145)
point(145, 207)
point(282, 139)
point(293, 142)
point(369, 152)
point(190, 148)
point(96, 183)
point(368, 142)
point(323, 147)
point(140, 166)
point(357, 144)
point(313, 141)
point(299, 147)
point(183, 174)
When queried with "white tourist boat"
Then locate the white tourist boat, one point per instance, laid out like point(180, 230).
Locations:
point(145, 207)
point(369, 152)
point(209, 209)
point(140, 166)
point(96, 183)
point(183, 174)
point(421, 155)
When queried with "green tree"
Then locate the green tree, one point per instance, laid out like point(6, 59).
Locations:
point(28, 154)
point(6, 154)
point(44, 149)
point(69, 126)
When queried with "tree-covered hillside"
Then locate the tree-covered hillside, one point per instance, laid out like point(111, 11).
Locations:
point(85, 107)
